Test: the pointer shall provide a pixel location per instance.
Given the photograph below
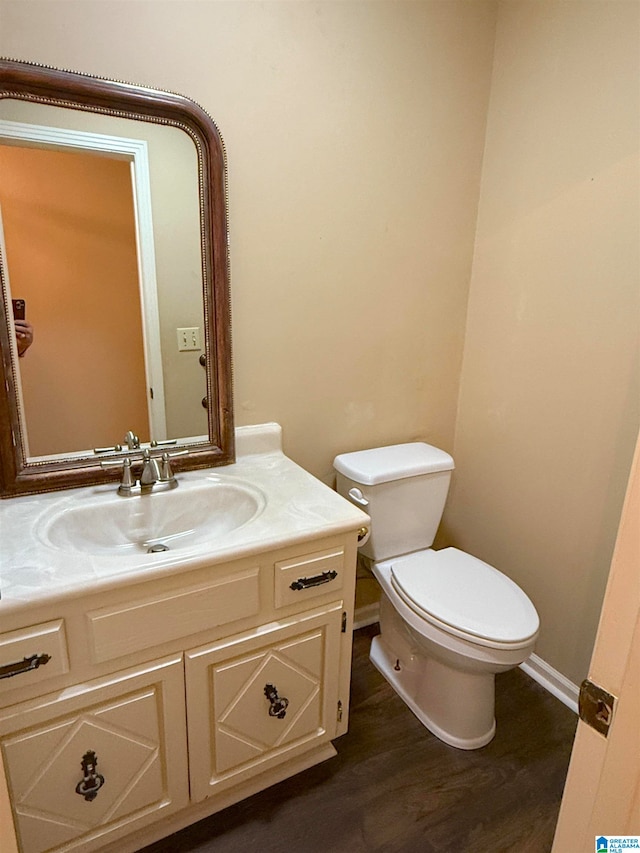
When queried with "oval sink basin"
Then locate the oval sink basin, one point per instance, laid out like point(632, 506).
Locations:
point(194, 514)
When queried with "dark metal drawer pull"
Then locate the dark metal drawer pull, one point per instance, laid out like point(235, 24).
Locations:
point(305, 583)
point(8, 670)
point(278, 704)
point(92, 781)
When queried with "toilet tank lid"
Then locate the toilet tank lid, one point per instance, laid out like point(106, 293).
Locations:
point(395, 462)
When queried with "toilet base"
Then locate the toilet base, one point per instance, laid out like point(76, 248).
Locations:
point(409, 682)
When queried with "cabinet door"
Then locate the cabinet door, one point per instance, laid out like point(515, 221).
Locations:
point(261, 698)
point(89, 768)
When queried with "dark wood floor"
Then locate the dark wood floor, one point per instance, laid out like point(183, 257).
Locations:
point(395, 788)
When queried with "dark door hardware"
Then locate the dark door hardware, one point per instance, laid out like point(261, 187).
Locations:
point(595, 707)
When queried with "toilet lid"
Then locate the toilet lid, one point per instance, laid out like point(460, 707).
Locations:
point(465, 594)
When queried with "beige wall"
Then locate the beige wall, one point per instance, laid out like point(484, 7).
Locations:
point(355, 133)
point(549, 394)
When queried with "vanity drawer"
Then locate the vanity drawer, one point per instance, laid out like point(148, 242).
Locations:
point(308, 576)
point(135, 625)
point(31, 655)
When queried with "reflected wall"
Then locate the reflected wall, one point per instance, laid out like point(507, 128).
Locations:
point(71, 251)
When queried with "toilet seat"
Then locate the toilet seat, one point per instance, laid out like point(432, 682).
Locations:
point(465, 597)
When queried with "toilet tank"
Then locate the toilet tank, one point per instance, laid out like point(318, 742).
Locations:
point(403, 487)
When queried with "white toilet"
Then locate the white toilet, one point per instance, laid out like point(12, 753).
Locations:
point(449, 622)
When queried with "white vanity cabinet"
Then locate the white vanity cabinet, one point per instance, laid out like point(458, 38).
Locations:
point(178, 696)
point(255, 701)
point(96, 764)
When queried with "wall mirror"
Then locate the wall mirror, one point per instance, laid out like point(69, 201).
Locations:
point(113, 238)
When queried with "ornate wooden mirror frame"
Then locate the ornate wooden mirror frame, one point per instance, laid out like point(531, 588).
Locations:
point(38, 84)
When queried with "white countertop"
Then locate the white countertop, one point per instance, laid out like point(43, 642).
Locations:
point(296, 506)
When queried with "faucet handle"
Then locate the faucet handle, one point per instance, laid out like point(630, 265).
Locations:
point(128, 480)
point(166, 474)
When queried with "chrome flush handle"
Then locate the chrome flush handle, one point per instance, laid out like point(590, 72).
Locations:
point(358, 498)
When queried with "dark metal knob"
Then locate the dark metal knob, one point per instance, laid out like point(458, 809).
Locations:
point(278, 704)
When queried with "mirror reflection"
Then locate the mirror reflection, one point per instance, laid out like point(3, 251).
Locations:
point(80, 205)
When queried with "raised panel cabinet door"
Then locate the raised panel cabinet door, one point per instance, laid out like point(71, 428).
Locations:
point(90, 768)
point(259, 699)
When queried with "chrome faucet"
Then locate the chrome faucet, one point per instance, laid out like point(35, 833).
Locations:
point(150, 470)
point(131, 440)
point(154, 476)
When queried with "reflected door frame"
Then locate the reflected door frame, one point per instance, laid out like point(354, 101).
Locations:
point(12, 330)
point(135, 151)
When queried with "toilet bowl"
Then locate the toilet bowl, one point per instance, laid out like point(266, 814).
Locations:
point(448, 621)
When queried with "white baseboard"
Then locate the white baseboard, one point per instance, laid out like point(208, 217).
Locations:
point(367, 615)
point(553, 681)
